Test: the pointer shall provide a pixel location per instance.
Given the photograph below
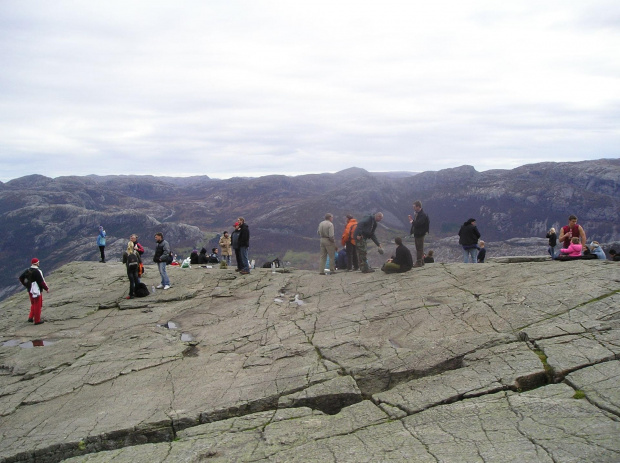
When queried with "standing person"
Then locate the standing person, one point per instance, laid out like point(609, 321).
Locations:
point(482, 253)
point(328, 244)
point(553, 242)
point(401, 261)
point(468, 239)
point(138, 247)
point(419, 228)
point(225, 244)
point(161, 258)
point(131, 259)
point(244, 245)
point(234, 240)
point(366, 230)
point(570, 231)
point(33, 280)
point(101, 243)
point(348, 242)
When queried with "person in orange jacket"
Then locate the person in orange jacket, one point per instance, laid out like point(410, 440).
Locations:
point(348, 242)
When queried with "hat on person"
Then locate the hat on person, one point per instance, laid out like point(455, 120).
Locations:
point(349, 216)
point(594, 244)
point(34, 261)
point(236, 224)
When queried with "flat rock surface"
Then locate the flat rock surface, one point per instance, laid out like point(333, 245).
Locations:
point(450, 362)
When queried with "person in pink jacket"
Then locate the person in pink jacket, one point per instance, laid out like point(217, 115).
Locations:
point(574, 249)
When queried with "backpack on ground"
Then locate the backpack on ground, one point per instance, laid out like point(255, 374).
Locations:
point(141, 290)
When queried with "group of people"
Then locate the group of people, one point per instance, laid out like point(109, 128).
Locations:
point(574, 243)
point(473, 247)
point(354, 241)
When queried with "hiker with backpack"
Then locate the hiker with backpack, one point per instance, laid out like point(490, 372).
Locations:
point(131, 258)
point(163, 256)
point(33, 280)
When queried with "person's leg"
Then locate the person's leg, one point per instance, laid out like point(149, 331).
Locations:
point(238, 259)
point(323, 258)
point(331, 250)
point(354, 256)
point(38, 305)
point(391, 267)
point(133, 277)
point(474, 255)
point(244, 259)
point(32, 302)
point(165, 281)
point(419, 249)
point(102, 253)
point(465, 256)
point(361, 255)
point(347, 249)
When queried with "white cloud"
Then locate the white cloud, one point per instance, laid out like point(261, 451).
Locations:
point(259, 87)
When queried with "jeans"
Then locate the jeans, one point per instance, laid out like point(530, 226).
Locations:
point(471, 254)
point(243, 250)
point(133, 280)
point(164, 276)
point(553, 251)
point(419, 250)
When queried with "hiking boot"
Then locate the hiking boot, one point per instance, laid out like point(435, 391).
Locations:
point(244, 272)
point(31, 320)
point(39, 323)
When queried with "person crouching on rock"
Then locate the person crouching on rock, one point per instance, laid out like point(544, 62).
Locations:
point(131, 258)
point(33, 280)
point(401, 261)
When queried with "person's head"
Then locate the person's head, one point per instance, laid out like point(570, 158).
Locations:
point(241, 221)
point(100, 227)
point(214, 250)
point(572, 220)
point(203, 251)
point(130, 247)
point(133, 238)
point(225, 234)
point(417, 206)
point(552, 230)
point(236, 225)
point(159, 237)
point(34, 261)
point(398, 240)
point(575, 240)
point(329, 217)
point(349, 217)
point(470, 222)
point(594, 244)
point(379, 216)
point(481, 243)
point(430, 253)
point(612, 252)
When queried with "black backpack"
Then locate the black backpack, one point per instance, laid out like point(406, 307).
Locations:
point(141, 290)
point(26, 278)
point(132, 261)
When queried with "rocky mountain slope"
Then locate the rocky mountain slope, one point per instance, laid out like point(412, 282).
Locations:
point(450, 362)
point(57, 219)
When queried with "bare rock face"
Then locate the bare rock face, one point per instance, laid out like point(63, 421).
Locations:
point(450, 362)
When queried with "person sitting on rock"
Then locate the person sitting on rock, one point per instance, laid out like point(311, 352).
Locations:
point(202, 257)
point(401, 261)
point(193, 257)
point(575, 248)
point(595, 248)
point(429, 258)
point(614, 255)
point(214, 256)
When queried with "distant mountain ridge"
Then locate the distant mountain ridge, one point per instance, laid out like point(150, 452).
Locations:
point(57, 219)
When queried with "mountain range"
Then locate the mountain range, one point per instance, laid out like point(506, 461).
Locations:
point(57, 219)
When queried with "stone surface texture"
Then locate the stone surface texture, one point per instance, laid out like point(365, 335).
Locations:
point(447, 363)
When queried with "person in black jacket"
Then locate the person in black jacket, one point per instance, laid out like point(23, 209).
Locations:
point(553, 243)
point(468, 239)
point(401, 261)
point(33, 280)
point(244, 245)
point(366, 230)
point(419, 228)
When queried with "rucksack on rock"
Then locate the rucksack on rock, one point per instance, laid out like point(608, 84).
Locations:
point(141, 290)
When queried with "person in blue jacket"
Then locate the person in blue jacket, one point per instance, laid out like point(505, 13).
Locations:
point(101, 243)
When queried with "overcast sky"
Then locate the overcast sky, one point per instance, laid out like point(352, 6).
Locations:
point(250, 88)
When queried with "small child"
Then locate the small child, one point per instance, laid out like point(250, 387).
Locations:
point(482, 253)
point(574, 250)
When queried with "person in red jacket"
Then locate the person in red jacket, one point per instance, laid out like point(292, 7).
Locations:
point(32, 278)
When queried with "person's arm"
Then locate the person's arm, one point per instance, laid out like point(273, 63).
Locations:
point(562, 234)
point(582, 235)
